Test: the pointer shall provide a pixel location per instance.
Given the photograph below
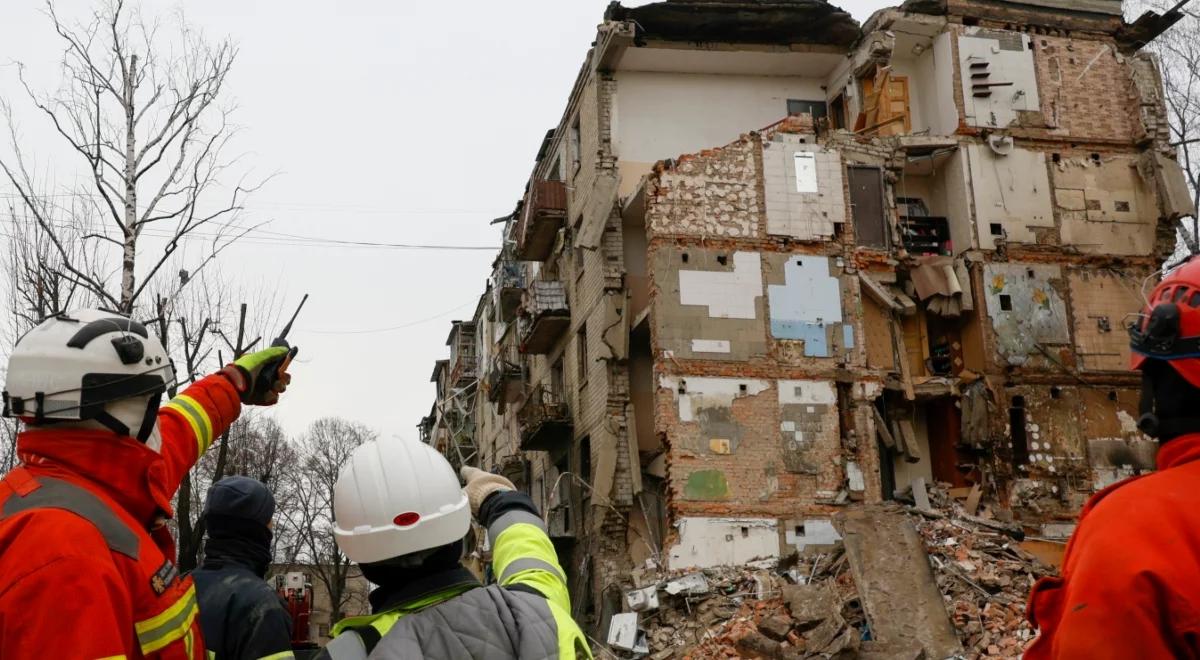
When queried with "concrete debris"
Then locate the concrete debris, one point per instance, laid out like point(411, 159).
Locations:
point(691, 584)
point(950, 579)
point(642, 600)
point(984, 576)
point(623, 634)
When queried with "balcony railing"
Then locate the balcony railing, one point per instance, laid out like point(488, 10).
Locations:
point(547, 316)
point(545, 420)
point(510, 288)
point(542, 216)
point(503, 381)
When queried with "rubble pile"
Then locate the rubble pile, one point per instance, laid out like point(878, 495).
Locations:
point(809, 606)
point(810, 609)
point(984, 575)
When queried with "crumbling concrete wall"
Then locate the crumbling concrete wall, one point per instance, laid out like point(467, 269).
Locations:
point(1011, 193)
point(1101, 302)
point(749, 446)
point(1026, 311)
point(1104, 204)
point(711, 304)
point(712, 194)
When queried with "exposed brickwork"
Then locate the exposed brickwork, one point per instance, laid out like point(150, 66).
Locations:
point(1086, 89)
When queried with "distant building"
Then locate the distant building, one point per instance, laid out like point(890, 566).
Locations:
point(772, 262)
point(323, 615)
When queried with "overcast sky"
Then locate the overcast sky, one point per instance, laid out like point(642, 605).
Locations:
point(402, 122)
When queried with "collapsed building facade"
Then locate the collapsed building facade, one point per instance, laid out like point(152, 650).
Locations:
point(773, 263)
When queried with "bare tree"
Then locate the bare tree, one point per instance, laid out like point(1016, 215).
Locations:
point(324, 449)
point(145, 123)
point(1178, 52)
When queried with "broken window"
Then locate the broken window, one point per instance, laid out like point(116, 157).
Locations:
point(866, 203)
point(837, 112)
point(818, 109)
point(1016, 422)
point(581, 352)
point(576, 146)
point(806, 172)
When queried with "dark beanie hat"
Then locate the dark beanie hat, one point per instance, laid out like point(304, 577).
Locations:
point(240, 497)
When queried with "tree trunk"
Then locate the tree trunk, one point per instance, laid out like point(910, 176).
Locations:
point(131, 235)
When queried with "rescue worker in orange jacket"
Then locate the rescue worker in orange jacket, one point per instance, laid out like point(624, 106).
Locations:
point(86, 559)
point(1130, 585)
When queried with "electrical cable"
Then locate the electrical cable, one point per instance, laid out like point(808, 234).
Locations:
point(391, 329)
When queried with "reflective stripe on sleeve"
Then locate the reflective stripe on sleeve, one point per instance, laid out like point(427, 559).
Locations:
point(197, 418)
point(283, 655)
point(170, 625)
point(528, 564)
point(513, 518)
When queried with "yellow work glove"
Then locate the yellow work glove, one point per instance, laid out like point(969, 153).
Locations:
point(260, 377)
point(480, 484)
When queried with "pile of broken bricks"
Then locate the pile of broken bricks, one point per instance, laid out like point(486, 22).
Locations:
point(811, 606)
point(983, 573)
point(809, 609)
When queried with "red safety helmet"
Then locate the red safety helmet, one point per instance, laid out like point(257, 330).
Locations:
point(1169, 330)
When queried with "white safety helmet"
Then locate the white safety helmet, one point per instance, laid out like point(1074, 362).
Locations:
point(89, 365)
point(397, 497)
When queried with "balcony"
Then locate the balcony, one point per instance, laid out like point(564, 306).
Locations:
point(510, 288)
point(542, 215)
point(545, 420)
point(503, 383)
point(547, 317)
point(464, 365)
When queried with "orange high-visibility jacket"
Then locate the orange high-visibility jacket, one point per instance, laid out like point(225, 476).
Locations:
point(1130, 585)
point(86, 564)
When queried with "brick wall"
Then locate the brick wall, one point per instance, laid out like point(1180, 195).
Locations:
point(1086, 89)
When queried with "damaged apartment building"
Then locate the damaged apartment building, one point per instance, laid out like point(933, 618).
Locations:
point(773, 263)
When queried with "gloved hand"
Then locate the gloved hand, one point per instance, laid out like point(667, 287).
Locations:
point(260, 377)
point(480, 484)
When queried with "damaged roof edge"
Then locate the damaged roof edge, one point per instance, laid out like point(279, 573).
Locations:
point(741, 21)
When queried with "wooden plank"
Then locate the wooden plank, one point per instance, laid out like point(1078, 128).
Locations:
point(910, 439)
point(881, 428)
point(972, 505)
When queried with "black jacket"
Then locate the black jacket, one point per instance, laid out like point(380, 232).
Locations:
point(241, 617)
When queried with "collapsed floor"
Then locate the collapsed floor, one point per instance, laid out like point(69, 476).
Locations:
point(927, 580)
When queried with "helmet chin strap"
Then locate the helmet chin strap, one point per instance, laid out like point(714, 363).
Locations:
point(1162, 429)
point(145, 425)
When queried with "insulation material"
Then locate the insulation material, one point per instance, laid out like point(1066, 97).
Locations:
point(1105, 206)
point(1101, 300)
point(804, 188)
point(1025, 309)
point(808, 306)
point(808, 424)
point(709, 542)
point(998, 76)
point(708, 402)
point(710, 304)
point(1012, 195)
